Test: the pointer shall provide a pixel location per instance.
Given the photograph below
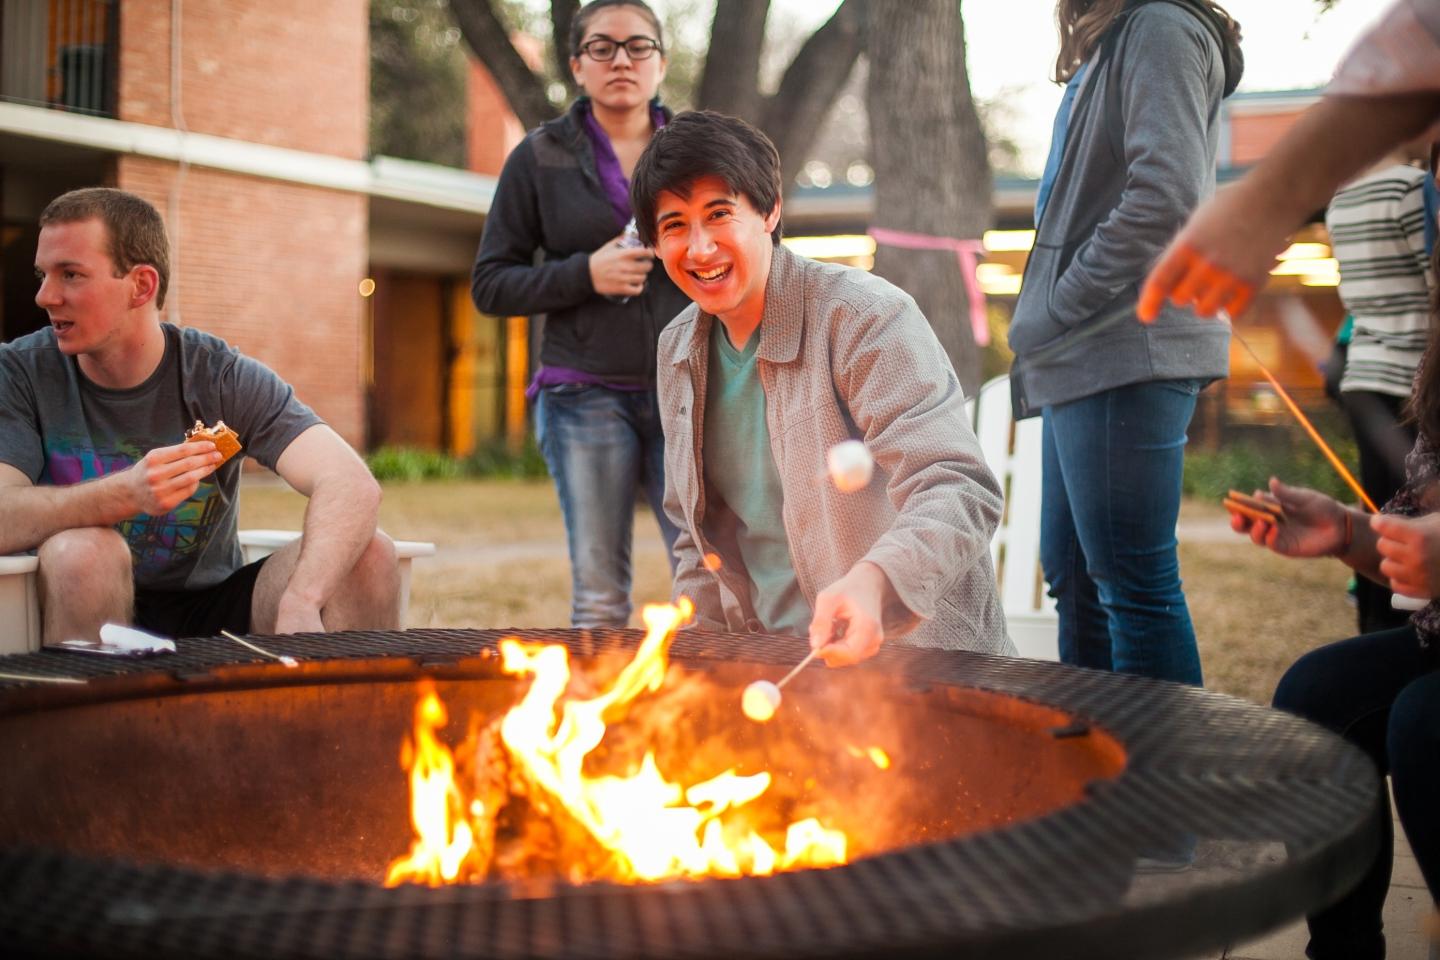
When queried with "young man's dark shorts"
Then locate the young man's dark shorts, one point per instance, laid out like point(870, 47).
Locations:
point(199, 613)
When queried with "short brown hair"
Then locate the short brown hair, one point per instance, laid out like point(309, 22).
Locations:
point(703, 143)
point(133, 227)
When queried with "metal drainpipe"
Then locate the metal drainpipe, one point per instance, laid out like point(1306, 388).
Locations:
point(172, 204)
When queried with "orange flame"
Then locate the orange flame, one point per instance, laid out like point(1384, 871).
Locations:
point(648, 827)
point(875, 755)
point(443, 837)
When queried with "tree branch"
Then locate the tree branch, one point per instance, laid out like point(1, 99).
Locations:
point(812, 82)
point(562, 15)
point(731, 81)
point(488, 38)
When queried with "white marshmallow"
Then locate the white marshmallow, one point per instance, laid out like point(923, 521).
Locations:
point(851, 465)
point(760, 701)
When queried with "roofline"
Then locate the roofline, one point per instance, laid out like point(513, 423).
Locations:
point(1259, 102)
point(406, 180)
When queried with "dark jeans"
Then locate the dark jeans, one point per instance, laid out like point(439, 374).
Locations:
point(602, 447)
point(1110, 498)
point(1383, 439)
point(1380, 691)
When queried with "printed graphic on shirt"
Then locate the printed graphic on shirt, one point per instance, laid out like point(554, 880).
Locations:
point(157, 544)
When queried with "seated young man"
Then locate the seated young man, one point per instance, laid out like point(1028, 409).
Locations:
point(805, 355)
point(132, 523)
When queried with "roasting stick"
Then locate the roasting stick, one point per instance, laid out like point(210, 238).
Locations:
point(762, 698)
point(288, 661)
point(1305, 422)
point(31, 679)
point(798, 667)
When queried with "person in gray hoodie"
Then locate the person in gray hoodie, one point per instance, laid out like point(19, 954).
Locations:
point(1133, 154)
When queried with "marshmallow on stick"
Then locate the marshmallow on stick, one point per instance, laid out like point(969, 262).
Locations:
point(851, 466)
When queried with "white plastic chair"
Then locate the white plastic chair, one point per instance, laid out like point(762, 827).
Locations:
point(255, 544)
point(1014, 454)
point(20, 606)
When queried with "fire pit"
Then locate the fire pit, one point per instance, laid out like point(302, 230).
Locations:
point(210, 804)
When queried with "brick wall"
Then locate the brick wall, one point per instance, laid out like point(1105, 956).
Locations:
point(492, 129)
point(284, 74)
point(1253, 135)
point(274, 269)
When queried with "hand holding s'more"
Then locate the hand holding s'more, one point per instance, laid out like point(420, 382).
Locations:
point(1260, 506)
point(226, 440)
point(1293, 521)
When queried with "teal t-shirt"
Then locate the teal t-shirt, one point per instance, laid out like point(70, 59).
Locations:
point(739, 468)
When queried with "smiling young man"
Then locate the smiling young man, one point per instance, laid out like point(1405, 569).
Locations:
point(779, 359)
point(132, 523)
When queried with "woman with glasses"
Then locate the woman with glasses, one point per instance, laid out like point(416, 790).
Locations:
point(557, 242)
point(1133, 154)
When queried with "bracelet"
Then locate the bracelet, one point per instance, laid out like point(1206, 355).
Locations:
point(1349, 539)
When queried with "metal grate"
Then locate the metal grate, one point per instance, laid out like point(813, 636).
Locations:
point(1280, 812)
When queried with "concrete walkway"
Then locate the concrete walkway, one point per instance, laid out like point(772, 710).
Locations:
point(1407, 914)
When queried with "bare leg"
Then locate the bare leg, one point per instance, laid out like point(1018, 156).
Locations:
point(86, 579)
point(368, 598)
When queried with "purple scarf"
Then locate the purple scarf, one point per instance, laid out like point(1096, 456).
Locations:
point(607, 165)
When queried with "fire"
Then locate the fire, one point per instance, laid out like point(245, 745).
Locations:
point(638, 827)
point(443, 837)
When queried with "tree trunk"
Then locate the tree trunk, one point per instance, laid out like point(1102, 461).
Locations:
point(812, 82)
point(928, 150)
point(486, 36)
point(731, 81)
point(562, 14)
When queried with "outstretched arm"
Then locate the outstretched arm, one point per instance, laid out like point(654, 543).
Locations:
point(340, 522)
point(1223, 255)
point(904, 396)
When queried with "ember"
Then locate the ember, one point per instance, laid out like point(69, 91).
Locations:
point(528, 781)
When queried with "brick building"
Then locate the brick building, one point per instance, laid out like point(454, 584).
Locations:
point(246, 123)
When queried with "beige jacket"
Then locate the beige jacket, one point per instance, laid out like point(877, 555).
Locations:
point(842, 355)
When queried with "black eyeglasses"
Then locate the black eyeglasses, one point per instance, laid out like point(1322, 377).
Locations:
point(603, 49)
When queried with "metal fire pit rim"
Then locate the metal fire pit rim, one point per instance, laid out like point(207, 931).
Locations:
point(991, 904)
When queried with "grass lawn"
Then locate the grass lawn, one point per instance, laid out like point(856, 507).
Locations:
point(502, 563)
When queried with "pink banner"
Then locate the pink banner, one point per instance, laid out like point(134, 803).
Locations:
point(967, 252)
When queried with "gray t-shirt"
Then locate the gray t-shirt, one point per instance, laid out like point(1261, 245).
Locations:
point(57, 427)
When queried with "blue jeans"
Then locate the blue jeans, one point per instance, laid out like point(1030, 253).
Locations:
point(1380, 691)
point(1110, 497)
point(602, 446)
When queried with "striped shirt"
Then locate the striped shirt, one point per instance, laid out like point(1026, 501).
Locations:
point(1377, 230)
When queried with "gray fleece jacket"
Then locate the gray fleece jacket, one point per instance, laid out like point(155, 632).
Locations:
point(1139, 157)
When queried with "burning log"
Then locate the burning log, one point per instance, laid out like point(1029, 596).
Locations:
point(538, 805)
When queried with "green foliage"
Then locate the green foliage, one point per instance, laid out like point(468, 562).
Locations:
point(995, 359)
point(417, 82)
point(494, 460)
point(408, 463)
point(1248, 463)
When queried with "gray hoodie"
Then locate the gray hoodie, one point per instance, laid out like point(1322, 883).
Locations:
point(1138, 158)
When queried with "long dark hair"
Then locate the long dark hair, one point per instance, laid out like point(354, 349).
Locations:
point(1425, 400)
point(1083, 22)
point(581, 23)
